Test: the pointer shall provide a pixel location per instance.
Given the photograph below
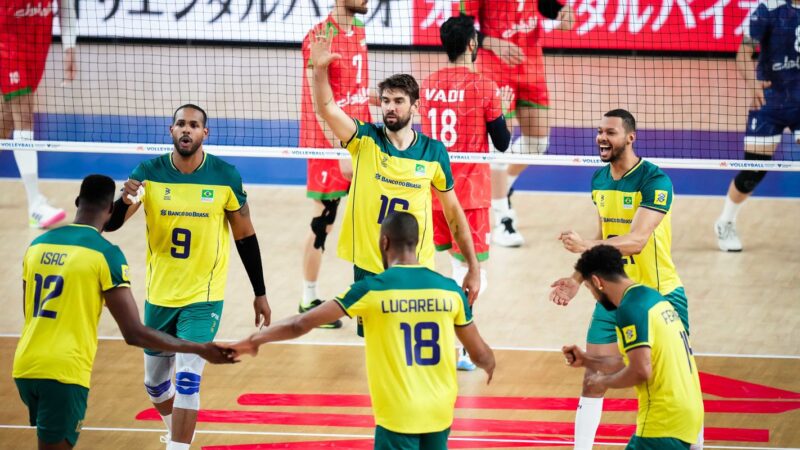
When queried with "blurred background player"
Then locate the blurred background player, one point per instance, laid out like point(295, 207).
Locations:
point(397, 169)
point(413, 391)
point(459, 107)
point(773, 87)
point(190, 199)
point(512, 57)
point(26, 29)
point(328, 179)
point(634, 200)
point(68, 273)
point(657, 359)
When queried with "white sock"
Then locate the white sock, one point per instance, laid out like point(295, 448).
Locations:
point(168, 422)
point(511, 180)
point(587, 419)
point(309, 292)
point(28, 166)
point(500, 208)
point(730, 210)
point(178, 446)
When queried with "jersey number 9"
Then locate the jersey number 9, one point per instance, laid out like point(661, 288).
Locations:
point(182, 240)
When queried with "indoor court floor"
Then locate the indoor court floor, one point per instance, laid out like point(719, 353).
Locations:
point(312, 394)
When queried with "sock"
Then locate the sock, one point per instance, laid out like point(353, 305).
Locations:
point(459, 271)
point(730, 210)
point(168, 422)
point(511, 180)
point(587, 419)
point(178, 446)
point(309, 292)
point(28, 166)
point(500, 208)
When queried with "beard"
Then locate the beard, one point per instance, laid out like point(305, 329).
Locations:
point(358, 9)
point(399, 124)
point(186, 152)
point(475, 55)
point(606, 303)
point(614, 154)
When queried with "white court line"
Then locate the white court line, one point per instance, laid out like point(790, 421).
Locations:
point(364, 436)
point(513, 349)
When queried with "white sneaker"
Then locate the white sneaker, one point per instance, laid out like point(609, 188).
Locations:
point(43, 215)
point(505, 235)
point(464, 363)
point(165, 438)
point(727, 238)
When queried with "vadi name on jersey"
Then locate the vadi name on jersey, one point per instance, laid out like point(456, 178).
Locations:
point(440, 95)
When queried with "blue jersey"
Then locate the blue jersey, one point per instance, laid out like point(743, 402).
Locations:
point(775, 24)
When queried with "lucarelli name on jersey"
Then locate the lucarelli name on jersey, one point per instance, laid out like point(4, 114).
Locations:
point(411, 305)
point(440, 95)
point(33, 10)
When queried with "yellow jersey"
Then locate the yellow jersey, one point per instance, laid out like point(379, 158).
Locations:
point(409, 315)
point(386, 179)
point(66, 271)
point(188, 240)
point(670, 402)
point(644, 186)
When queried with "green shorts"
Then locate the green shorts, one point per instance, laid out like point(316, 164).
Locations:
point(389, 440)
point(602, 330)
point(358, 275)
point(197, 322)
point(642, 443)
point(55, 409)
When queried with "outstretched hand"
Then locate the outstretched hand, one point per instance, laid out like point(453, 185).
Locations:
point(564, 290)
point(321, 56)
point(217, 354)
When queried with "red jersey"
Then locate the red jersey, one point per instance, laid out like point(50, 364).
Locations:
point(455, 106)
point(517, 21)
point(25, 34)
point(349, 78)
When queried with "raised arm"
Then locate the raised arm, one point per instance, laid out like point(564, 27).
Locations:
point(247, 245)
point(340, 123)
point(120, 303)
point(69, 36)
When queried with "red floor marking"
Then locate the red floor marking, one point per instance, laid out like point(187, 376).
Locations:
point(459, 424)
point(522, 403)
point(732, 388)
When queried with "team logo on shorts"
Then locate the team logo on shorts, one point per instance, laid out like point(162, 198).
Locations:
point(629, 334)
point(661, 198)
point(627, 202)
point(419, 169)
point(207, 195)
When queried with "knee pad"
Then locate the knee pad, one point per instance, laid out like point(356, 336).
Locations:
point(527, 145)
point(319, 225)
point(188, 373)
point(158, 377)
point(747, 180)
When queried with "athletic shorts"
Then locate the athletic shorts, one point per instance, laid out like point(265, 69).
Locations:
point(24, 44)
point(197, 322)
point(526, 80)
point(480, 229)
point(642, 443)
point(55, 409)
point(603, 330)
point(389, 440)
point(780, 111)
point(325, 180)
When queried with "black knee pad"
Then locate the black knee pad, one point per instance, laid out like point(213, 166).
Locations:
point(747, 180)
point(319, 225)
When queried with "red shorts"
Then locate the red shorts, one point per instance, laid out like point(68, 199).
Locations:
point(325, 180)
point(478, 220)
point(526, 80)
point(25, 35)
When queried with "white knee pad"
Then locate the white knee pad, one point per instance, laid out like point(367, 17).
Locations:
point(188, 373)
point(527, 145)
point(158, 377)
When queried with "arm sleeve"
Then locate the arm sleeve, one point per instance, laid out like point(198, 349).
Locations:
point(363, 129)
point(350, 299)
point(139, 173)
point(498, 132)
point(238, 196)
point(657, 193)
point(632, 324)
point(756, 26)
point(464, 315)
point(69, 24)
point(115, 270)
point(470, 8)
